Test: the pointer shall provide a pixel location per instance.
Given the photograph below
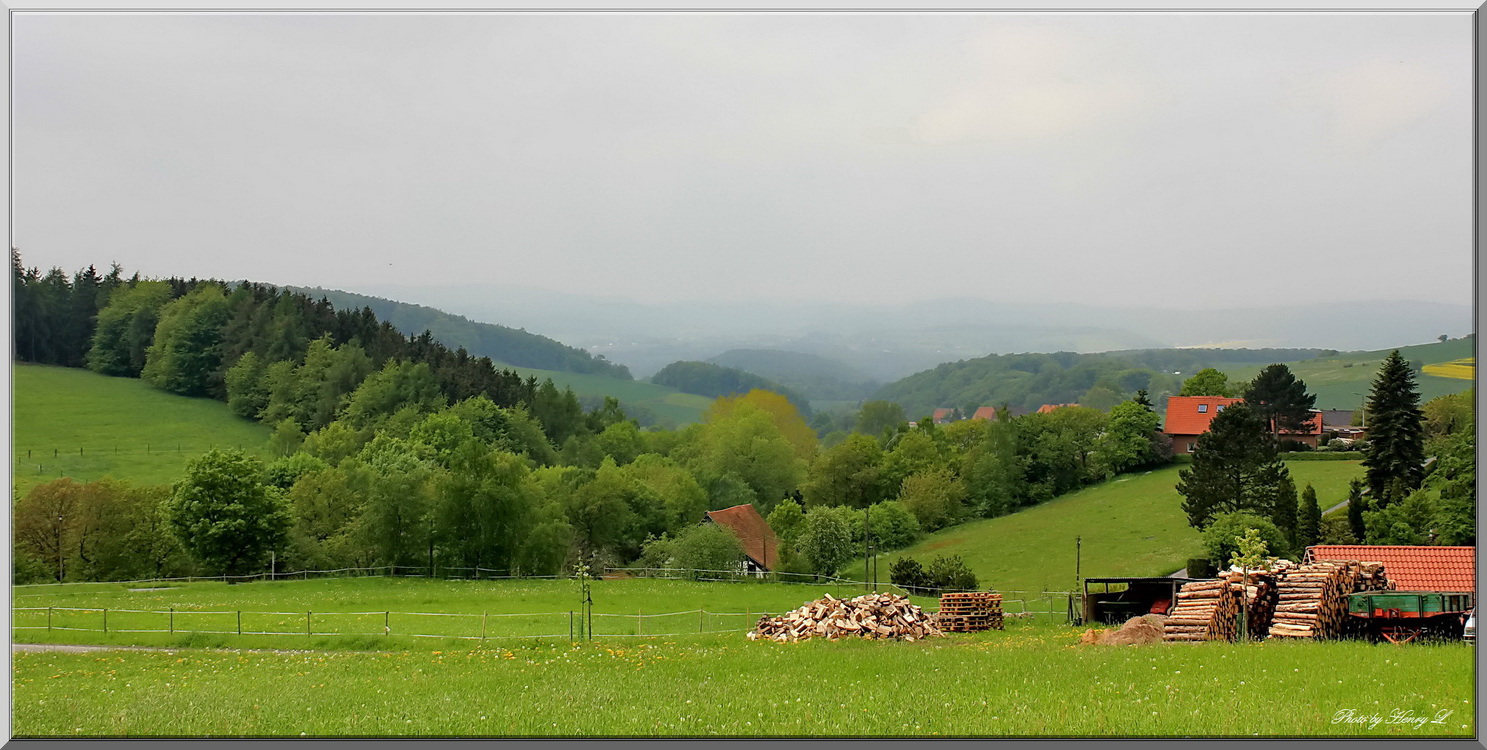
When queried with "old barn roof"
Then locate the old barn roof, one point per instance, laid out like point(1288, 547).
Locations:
point(753, 533)
point(1411, 568)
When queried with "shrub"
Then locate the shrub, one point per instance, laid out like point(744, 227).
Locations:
point(1220, 539)
point(708, 546)
point(951, 573)
point(1200, 567)
point(907, 574)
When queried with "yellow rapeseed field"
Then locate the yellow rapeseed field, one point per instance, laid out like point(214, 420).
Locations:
point(1461, 369)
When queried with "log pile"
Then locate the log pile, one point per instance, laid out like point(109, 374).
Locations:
point(866, 616)
point(1204, 611)
point(969, 611)
point(1313, 598)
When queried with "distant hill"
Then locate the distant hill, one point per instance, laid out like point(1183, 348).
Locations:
point(715, 381)
point(509, 346)
point(815, 377)
point(1342, 381)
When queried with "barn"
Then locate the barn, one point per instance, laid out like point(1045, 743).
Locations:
point(755, 537)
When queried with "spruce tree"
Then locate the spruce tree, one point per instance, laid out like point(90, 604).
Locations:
point(1281, 399)
point(1396, 432)
point(1235, 468)
point(1283, 511)
point(1309, 524)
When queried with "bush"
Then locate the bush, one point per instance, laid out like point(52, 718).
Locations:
point(1220, 539)
point(708, 546)
point(951, 573)
point(906, 573)
point(1327, 455)
point(1294, 446)
point(26, 568)
point(1200, 567)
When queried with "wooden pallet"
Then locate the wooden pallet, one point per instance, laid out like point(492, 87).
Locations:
point(969, 611)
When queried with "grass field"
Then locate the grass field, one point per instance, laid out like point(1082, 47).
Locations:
point(1130, 526)
point(1029, 680)
point(668, 404)
point(125, 428)
point(1339, 381)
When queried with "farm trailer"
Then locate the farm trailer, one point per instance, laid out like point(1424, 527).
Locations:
point(1402, 616)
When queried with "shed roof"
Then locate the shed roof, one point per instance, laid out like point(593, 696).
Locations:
point(1411, 568)
point(755, 537)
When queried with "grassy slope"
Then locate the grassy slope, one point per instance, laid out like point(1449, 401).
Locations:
point(667, 403)
point(1337, 381)
point(1131, 526)
point(125, 428)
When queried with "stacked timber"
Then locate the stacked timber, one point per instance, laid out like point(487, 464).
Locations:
point(866, 616)
point(1204, 611)
point(969, 611)
point(1312, 599)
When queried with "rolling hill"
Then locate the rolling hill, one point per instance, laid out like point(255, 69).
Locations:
point(1130, 526)
point(500, 343)
point(77, 423)
point(1343, 381)
point(815, 377)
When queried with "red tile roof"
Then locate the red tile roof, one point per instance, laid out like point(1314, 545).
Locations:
point(1044, 409)
point(941, 415)
point(754, 536)
point(985, 412)
point(1183, 417)
point(1411, 568)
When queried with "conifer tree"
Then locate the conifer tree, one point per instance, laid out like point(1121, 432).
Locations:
point(1309, 525)
point(1396, 432)
point(1356, 506)
point(1235, 468)
point(1281, 399)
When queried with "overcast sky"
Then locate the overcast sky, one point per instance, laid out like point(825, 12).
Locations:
point(1169, 160)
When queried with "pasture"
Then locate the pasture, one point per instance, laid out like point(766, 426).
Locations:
point(1132, 525)
point(669, 405)
point(77, 423)
point(1343, 381)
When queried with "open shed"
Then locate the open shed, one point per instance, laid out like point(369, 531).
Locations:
point(1115, 600)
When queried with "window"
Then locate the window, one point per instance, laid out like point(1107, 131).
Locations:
point(1220, 407)
point(1202, 408)
point(1190, 446)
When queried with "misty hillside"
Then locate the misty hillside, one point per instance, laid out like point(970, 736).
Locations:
point(889, 340)
point(815, 377)
point(504, 345)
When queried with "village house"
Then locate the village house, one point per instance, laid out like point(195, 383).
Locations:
point(757, 540)
point(1189, 416)
point(1046, 408)
point(987, 413)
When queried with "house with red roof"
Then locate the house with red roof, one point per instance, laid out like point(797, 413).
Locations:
point(1189, 416)
point(987, 413)
point(1044, 409)
point(757, 540)
point(1410, 568)
point(944, 416)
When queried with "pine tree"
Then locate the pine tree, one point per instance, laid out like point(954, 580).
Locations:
point(1309, 525)
point(1281, 399)
point(1356, 506)
point(1235, 468)
point(1144, 399)
point(1396, 432)
point(1283, 510)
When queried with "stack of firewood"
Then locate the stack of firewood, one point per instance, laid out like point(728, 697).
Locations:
point(969, 611)
point(867, 616)
point(1313, 598)
point(1205, 611)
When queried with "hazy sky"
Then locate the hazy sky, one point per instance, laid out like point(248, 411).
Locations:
point(1168, 160)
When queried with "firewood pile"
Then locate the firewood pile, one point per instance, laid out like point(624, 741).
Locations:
point(866, 616)
point(969, 611)
point(1313, 598)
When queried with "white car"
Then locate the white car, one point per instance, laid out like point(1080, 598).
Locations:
point(1469, 631)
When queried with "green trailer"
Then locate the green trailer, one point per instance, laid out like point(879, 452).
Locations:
point(1402, 616)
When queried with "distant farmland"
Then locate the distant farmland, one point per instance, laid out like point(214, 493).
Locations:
point(1461, 369)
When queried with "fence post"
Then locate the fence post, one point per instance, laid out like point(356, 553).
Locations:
point(172, 620)
point(570, 623)
point(637, 622)
point(700, 614)
point(48, 619)
point(387, 623)
point(105, 619)
point(307, 623)
point(482, 625)
point(240, 622)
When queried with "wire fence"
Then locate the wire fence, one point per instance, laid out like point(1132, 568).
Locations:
point(483, 626)
point(57, 461)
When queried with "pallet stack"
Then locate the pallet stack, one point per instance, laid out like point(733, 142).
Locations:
point(1313, 598)
point(867, 616)
point(969, 612)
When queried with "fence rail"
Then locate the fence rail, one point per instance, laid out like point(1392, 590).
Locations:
point(262, 622)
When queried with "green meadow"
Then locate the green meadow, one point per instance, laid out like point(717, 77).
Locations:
point(1343, 382)
point(77, 423)
point(668, 404)
point(1130, 526)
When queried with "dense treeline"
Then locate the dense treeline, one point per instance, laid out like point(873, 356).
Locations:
point(810, 375)
point(713, 381)
point(509, 345)
point(1027, 381)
